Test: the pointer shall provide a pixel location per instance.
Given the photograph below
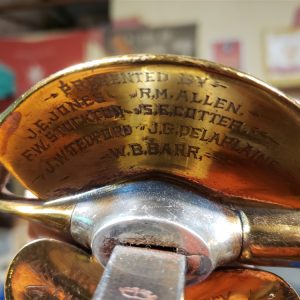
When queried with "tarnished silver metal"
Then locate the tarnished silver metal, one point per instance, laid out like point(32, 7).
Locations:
point(160, 215)
point(137, 273)
point(173, 217)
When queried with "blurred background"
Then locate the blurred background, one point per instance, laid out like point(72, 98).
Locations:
point(40, 37)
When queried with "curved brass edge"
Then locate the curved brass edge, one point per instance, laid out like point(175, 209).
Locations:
point(55, 217)
point(241, 284)
point(50, 268)
point(141, 59)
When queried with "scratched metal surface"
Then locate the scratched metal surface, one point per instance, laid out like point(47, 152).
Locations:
point(137, 273)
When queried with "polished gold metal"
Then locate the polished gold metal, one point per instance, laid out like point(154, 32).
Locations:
point(269, 233)
point(49, 269)
point(220, 132)
point(129, 116)
point(241, 284)
point(55, 216)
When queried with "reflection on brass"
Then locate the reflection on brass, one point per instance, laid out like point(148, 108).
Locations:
point(241, 284)
point(128, 116)
point(222, 146)
point(271, 234)
point(55, 216)
point(48, 269)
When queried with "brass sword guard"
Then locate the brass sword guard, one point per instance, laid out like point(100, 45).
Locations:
point(223, 142)
point(39, 260)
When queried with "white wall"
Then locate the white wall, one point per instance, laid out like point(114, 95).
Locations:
point(244, 20)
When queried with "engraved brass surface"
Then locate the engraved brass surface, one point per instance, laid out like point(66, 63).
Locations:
point(49, 269)
point(129, 116)
point(230, 135)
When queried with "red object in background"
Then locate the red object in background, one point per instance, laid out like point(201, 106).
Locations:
point(35, 58)
point(227, 53)
point(297, 18)
point(5, 103)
